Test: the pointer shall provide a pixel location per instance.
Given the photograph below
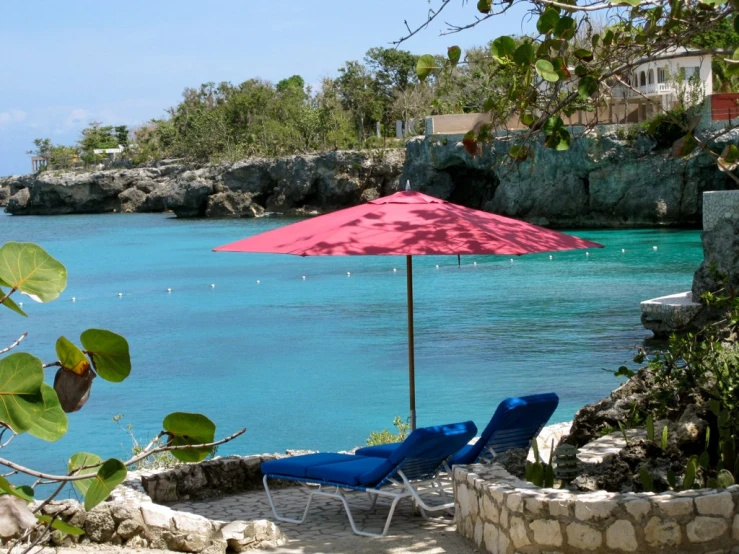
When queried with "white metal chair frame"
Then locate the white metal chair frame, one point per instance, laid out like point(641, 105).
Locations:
point(407, 490)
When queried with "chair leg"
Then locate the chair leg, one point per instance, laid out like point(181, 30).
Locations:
point(343, 499)
point(274, 509)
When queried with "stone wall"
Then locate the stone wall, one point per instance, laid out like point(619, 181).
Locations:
point(134, 519)
point(503, 515)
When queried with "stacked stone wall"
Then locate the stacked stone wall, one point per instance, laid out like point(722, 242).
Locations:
point(504, 515)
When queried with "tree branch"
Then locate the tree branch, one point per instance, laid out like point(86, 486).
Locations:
point(16, 343)
point(135, 459)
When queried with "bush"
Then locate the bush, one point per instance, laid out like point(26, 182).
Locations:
point(668, 127)
point(385, 437)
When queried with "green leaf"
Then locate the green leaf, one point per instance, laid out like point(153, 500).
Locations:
point(503, 48)
point(546, 70)
point(583, 54)
point(60, 525)
point(21, 400)
point(561, 68)
point(82, 460)
point(629, 2)
point(519, 153)
point(565, 27)
point(185, 428)
point(646, 480)
point(454, 53)
point(664, 438)
point(24, 493)
point(547, 20)
point(109, 354)
point(671, 479)
point(111, 474)
point(27, 267)
point(553, 124)
point(704, 460)
point(548, 477)
point(564, 141)
point(594, 41)
point(527, 118)
point(608, 38)
point(71, 357)
point(524, 55)
point(425, 66)
point(650, 428)
point(684, 146)
point(489, 104)
point(713, 3)
point(690, 471)
point(725, 478)
point(51, 424)
point(484, 6)
point(10, 303)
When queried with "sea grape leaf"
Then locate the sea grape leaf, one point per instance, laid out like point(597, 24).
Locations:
point(587, 87)
point(21, 400)
point(565, 27)
point(553, 124)
point(60, 525)
point(519, 153)
point(30, 269)
point(425, 66)
point(111, 474)
point(72, 390)
point(24, 493)
point(454, 53)
point(503, 48)
point(83, 460)
point(725, 478)
point(546, 70)
point(185, 429)
point(10, 303)
point(51, 424)
point(583, 54)
point(484, 6)
point(547, 20)
point(109, 354)
point(524, 55)
point(71, 357)
point(469, 141)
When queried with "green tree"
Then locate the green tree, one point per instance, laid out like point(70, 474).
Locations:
point(356, 91)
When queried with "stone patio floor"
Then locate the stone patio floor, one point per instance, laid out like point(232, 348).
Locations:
point(327, 527)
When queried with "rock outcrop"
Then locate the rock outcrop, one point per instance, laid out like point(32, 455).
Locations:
point(600, 182)
point(245, 189)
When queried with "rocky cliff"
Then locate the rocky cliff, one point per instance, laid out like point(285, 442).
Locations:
point(600, 182)
point(245, 189)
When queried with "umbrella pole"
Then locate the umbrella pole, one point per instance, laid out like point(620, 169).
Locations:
point(411, 352)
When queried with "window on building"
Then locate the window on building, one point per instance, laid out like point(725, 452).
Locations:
point(692, 72)
point(650, 77)
point(661, 77)
point(643, 79)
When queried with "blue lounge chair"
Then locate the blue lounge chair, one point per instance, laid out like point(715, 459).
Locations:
point(516, 422)
point(412, 470)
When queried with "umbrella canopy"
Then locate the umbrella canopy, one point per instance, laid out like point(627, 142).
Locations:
point(408, 223)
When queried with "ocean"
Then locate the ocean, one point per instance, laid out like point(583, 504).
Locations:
point(319, 362)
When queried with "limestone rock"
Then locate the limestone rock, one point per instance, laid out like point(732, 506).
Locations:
point(18, 202)
point(241, 535)
point(99, 524)
point(15, 517)
point(131, 200)
point(232, 204)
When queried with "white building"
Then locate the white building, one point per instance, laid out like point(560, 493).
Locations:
point(678, 75)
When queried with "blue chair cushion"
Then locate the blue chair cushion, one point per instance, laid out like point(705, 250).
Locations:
point(438, 442)
point(297, 466)
point(354, 471)
point(379, 451)
point(463, 455)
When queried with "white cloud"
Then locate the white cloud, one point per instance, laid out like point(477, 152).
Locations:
point(11, 117)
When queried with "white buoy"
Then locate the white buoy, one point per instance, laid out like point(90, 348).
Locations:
point(20, 304)
point(474, 263)
point(348, 273)
point(303, 277)
point(74, 299)
point(654, 248)
point(437, 266)
point(395, 270)
point(511, 260)
point(551, 257)
point(257, 281)
point(623, 250)
point(587, 253)
point(120, 294)
point(169, 290)
point(212, 285)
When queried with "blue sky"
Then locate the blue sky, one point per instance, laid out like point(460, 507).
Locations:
point(69, 62)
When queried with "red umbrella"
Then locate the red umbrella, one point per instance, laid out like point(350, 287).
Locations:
point(408, 223)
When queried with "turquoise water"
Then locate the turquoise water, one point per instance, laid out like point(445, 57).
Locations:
point(320, 362)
